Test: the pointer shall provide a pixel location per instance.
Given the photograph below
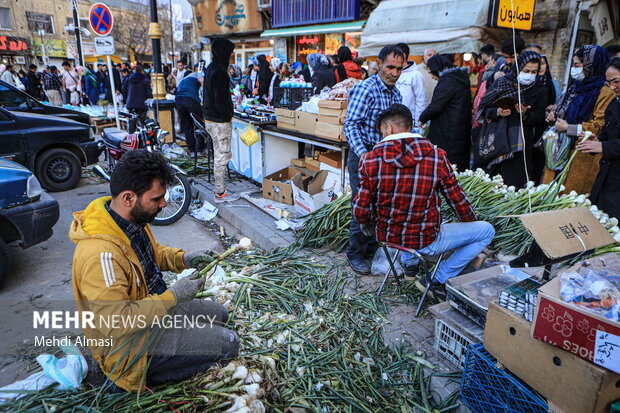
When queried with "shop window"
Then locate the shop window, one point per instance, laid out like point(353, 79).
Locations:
point(40, 21)
point(5, 18)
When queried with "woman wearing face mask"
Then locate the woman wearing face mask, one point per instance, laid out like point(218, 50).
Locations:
point(605, 192)
point(580, 109)
point(502, 101)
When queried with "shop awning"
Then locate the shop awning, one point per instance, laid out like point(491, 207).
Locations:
point(346, 27)
point(450, 26)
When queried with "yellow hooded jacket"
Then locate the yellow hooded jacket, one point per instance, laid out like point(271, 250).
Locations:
point(107, 271)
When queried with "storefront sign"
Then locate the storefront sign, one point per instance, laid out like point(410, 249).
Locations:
point(13, 45)
point(298, 13)
point(53, 48)
point(332, 42)
point(309, 44)
point(215, 17)
point(601, 22)
point(512, 13)
point(281, 48)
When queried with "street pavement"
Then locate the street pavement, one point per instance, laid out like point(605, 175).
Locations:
point(43, 272)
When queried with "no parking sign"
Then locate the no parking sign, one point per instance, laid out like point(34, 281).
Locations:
point(100, 18)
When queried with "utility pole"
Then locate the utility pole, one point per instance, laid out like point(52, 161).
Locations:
point(78, 34)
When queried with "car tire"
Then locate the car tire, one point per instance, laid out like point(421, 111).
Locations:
point(58, 170)
point(5, 260)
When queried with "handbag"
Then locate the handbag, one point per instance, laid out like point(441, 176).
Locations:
point(492, 140)
point(557, 147)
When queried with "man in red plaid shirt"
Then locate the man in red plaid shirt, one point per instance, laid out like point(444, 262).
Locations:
point(398, 198)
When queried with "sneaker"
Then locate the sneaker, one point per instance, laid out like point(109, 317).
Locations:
point(225, 197)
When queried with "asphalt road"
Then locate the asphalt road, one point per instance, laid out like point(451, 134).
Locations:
point(43, 272)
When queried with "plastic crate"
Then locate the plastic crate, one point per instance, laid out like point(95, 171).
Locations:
point(450, 343)
point(290, 97)
point(487, 388)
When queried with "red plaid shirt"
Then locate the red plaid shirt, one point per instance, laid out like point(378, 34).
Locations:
point(400, 180)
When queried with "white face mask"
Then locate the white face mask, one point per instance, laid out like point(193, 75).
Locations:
point(577, 73)
point(526, 78)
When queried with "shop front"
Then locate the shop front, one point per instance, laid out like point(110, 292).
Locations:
point(51, 51)
point(14, 50)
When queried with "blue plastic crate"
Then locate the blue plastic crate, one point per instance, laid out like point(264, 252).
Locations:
point(486, 388)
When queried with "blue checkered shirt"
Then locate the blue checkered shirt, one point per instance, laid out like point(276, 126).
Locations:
point(366, 100)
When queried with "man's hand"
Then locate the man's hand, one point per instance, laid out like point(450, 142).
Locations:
point(368, 229)
point(186, 288)
point(522, 108)
point(561, 125)
point(198, 259)
point(503, 112)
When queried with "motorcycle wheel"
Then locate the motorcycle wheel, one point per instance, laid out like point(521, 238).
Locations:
point(178, 197)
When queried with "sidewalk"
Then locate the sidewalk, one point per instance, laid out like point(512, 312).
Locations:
point(402, 326)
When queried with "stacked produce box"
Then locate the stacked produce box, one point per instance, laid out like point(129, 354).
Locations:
point(330, 123)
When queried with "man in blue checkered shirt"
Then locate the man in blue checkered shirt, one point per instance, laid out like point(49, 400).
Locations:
point(366, 101)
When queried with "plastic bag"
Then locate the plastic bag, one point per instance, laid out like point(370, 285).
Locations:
point(68, 372)
point(380, 264)
point(557, 146)
point(594, 289)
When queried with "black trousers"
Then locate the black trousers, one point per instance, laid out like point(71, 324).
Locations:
point(359, 244)
point(186, 107)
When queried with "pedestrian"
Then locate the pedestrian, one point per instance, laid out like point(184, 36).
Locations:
point(187, 102)
point(534, 48)
point(117, 261)
point(486, 54)
point(582, 108)
point(322, 74)
point(605, 192)
point(171, 81)
point(246, 82)
point(367, 100)
point(347, 68)
point(261, 88)
point(333, 60)
point(613, 50)
point(519, 116)
point(91, 86)
point(34, 82)
point(398, 200)
point(253, 75)
point(124, 75)
point(53, 86)
point(306, 73)
point(429, 80)
point(274, 66)
point(235, 75)
point(22, 78)
point(511, 48)
point(411, 87)
point(70, 81)
point(118, 86)
point(449, 111)
point(137, 89)
point(182, 71)
point(10, 77)
point(218, 112)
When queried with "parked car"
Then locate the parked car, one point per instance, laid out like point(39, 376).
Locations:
point(27, 213)
point(17, 100)
point(54, 148)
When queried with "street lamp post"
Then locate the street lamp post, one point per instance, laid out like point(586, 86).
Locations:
point(43, 55)
point(157, 78)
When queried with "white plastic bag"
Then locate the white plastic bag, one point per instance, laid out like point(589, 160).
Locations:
point(68, 372)
point(380, 264)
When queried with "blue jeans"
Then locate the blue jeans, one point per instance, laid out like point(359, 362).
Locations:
point(468, 239)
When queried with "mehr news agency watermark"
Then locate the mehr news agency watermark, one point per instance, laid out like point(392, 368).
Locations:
point(88, 320)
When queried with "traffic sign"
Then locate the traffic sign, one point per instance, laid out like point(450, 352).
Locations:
point(104, 45)
point(100, 18)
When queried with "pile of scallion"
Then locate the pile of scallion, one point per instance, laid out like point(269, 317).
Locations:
point(306, 346)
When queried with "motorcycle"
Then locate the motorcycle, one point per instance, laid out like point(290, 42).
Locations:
point(147, 135)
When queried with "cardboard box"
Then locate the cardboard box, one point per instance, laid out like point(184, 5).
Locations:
point(311, 193)
point(306, 122)
point(333, 159)
point(337, 113)
point(334, 120)
point(572, 384)
point(567, 326)
point(330, 131)
point(300, 162)
point(277, 189)
point(285, 113)
point(333, 104)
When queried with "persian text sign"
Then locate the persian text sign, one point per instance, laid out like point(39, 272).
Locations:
point(215, 17)
point(512, 13)
point(13, 45)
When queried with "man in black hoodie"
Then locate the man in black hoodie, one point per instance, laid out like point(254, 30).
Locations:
point(217, 110)
point(137, 88)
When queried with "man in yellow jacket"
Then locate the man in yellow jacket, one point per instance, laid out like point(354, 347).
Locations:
point(117, 277)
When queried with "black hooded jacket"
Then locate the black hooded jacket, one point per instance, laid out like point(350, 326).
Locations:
point(217, 104)
point(264, 77)
point(450, 111)
point(137, 88)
